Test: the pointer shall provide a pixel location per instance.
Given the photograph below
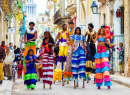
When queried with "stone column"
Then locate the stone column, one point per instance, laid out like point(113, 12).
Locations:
point(29, 9)
point(127, 39)
point(77, 12)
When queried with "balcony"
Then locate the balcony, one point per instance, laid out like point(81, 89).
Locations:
point(54, 1)
point(49, 4)
point(102, 1)
point(58, 17)
point(6, 5)
point(71, 8)
point(14, 6)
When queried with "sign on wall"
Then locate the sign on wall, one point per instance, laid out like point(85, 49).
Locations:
point(83, 27)
point(11, 30)
point(107, 28)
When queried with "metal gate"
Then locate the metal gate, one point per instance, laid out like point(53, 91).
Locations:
point(114, 60)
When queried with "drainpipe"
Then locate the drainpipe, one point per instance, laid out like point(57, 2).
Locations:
point(86, 14)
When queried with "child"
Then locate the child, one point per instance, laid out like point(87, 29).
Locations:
point(78, 57)
point(30, 76)
point(101, 60)
point(20, 68)
point(39, 71)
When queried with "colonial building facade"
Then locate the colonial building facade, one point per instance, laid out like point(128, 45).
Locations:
point(30, 6)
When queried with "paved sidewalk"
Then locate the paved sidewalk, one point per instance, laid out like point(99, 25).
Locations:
point(121, 80)
point(6, 87)
point(57, 89)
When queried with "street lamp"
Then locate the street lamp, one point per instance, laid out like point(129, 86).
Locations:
point(94, 8)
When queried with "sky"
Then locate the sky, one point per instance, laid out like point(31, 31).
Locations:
point(41, 6)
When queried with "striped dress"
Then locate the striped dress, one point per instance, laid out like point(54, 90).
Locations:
point(47, 68)
point(78, 58)
point(47, 62)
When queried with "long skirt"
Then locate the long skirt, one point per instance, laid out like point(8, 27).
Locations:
point(91, 50)
point(47, 69)
point(30, 77)
point(102, 67)
point(68, 69)
point(79, 63)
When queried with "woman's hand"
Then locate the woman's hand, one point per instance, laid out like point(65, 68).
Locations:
point(1, 60)
point(114, 45)
point(88, 33)
point(85, 51)
point(31, 60)
point(67, 42)
point(49, 44)
point(91, 35)
point(73, 48)
point(29, 40)
point(25, 42)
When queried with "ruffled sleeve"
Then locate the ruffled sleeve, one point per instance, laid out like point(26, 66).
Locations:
point(83, 37)
point(72, 37)
point(27, 57)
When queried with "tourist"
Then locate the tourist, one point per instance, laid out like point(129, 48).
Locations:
point(3, 45)
point(2, 57)
point(11, 46)
point(14, 48)
point(19, 57)
point(8, 62)
point(20, 69)
point(121, 57)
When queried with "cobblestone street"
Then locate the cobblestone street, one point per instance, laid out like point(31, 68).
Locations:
point(57, 89)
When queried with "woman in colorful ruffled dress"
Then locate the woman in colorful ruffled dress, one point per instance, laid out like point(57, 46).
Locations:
point(31, 74)
point(101, 60)
point(78, 58)
point(48, 43)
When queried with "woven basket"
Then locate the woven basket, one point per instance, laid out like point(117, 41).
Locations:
point(38, 66)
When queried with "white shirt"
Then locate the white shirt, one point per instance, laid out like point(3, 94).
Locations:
point(9, 58)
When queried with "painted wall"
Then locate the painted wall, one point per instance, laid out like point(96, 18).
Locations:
point(117, 33)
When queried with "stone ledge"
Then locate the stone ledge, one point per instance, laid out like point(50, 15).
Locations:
point(121, 80)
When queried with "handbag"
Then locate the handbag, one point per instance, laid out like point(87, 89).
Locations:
point(39, 65)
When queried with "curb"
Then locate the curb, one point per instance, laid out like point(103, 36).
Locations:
point(9, 88)
point(120, 82)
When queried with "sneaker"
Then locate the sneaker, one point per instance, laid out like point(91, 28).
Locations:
point(99, 88)
point(108, 87)
point(10, 78)
point(5, 75)
point(0, 82)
